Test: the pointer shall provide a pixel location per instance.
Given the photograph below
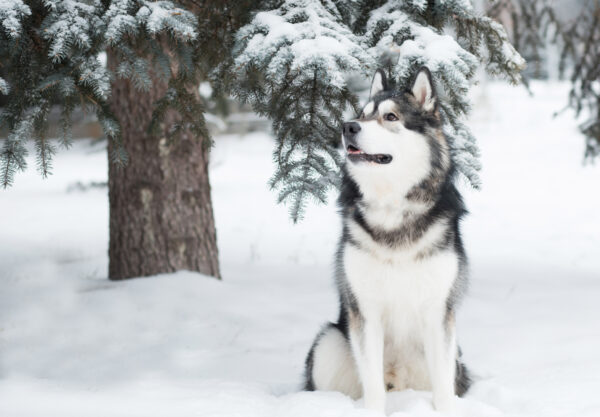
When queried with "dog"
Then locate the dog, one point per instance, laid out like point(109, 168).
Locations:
point(401, 268)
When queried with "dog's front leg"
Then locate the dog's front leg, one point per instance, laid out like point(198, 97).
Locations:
point(366, 338)
point(440, 353)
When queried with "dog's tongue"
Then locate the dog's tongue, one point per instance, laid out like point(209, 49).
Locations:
point(352, 150)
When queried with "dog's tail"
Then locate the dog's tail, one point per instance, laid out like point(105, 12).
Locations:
point(463, 380)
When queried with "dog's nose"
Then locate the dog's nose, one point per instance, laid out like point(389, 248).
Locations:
point(351, 129)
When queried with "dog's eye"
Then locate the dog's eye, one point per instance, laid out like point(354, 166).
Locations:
point(390, 117)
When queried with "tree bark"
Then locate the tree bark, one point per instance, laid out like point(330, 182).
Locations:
point(161, 216)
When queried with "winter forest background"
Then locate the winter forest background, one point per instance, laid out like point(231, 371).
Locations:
point(183, 141)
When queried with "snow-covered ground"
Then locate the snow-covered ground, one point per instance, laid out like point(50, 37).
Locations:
point(73, 343)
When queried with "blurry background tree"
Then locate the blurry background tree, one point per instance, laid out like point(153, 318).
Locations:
point(573, 29)
point(290, 59)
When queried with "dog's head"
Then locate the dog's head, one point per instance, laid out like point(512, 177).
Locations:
point(397, 139)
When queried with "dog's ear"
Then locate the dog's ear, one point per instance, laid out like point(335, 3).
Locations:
point(378, 84)
point(423, 91)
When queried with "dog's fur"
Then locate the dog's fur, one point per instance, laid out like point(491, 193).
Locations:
point(401, 265)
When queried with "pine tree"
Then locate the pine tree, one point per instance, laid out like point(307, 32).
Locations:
point(146, 101)
point(292, 64)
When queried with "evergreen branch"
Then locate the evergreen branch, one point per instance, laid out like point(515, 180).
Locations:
point(12, 159)
point(49, 55)
point(45, 150)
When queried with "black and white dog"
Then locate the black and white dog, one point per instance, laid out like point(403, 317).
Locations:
point(401, 265)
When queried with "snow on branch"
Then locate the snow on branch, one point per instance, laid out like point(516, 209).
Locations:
point(161, 16)
point(70, 25)
point(300, 34)
point(11, 14)
point(4, 87)
point(119, 20)
point(411, 34)
point(55, 63)
point(291, 64)
point(130, 17)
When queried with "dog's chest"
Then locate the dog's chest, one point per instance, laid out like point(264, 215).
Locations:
point(398, 284)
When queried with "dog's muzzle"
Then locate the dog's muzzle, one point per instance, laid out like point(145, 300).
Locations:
point(353, 151)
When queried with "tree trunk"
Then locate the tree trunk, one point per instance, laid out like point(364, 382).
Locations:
point(161, 216)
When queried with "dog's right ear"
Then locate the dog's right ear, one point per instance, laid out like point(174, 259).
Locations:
point(423, 91)
point(378, 84)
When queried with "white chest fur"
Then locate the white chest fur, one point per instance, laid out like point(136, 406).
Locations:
point(399, 276)
point(398, 288)
point(397, 285)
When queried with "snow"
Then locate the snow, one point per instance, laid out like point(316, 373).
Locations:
point(11, 14)
point(69, 25)
point(436, 50)
point(4, 87)
point(431, 48)
point(161, 15)
point(302, 36)
point(119, 22)
point(153, 16)
point(73, 343)
point(95, 75)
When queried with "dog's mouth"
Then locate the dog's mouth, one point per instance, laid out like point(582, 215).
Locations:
point(357, 155)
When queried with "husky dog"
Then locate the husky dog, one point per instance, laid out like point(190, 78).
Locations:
point(401, 265)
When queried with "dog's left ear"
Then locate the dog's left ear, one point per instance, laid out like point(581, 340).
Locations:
point(378, 84)
point(423, 91)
